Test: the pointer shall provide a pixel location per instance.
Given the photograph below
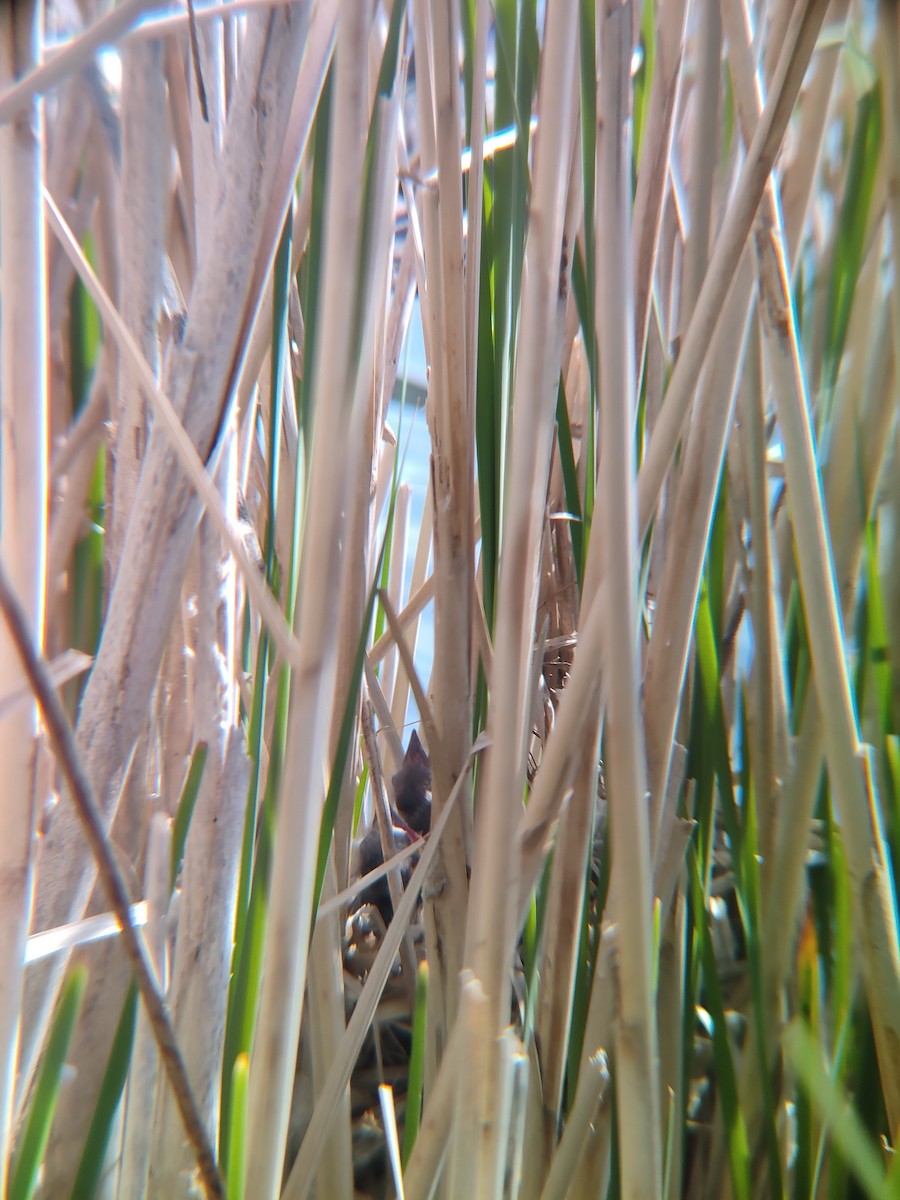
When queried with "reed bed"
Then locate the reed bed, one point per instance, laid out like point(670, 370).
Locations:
point(621, 918)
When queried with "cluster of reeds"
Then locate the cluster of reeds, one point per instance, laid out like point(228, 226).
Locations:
point(649, 946)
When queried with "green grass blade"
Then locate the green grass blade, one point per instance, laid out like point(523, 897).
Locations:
point(726, 1077)
point(93, 1156)
point(844, 1126)
point(30, 1149)
point(416, 1083)
point(852, 228)
point(751, 914)
point(185, 810)
point(237, 1149)
point(570, 480)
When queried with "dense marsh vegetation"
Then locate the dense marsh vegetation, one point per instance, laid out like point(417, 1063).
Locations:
point(648, 944)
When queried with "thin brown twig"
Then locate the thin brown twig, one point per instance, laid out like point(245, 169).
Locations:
point(63, 740)
point(195, 58)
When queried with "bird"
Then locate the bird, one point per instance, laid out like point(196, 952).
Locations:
point(369, 857)
point(411, 820)
point(412, 787)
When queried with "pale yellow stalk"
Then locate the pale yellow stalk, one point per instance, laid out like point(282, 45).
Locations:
point(493, 910)
point(335, 376)
point(23, 515)
point(687, 537)
point(872, 894)
point(653, 173)
point(450, 422)
point(134, 1162)
point(796, 52)
point(636, 1055)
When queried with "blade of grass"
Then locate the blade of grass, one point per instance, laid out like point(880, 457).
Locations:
point(30, 1149)
point(93, 1157)
point(414, 1091)
point(185, 808)
point(844, 1126)
point(237, 1164)
point(736, 1136)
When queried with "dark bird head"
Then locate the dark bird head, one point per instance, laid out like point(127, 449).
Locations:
point(412, 787)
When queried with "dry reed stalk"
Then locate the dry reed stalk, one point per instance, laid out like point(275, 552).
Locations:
point(400, 699)
point(768, 718)
point(424, 1166)
point(798, 185)
point(593, 1166)
point(574, 839)
point(201, 971)
point(869, 873)
point(79, 53)
point(141, 257)
point(631, 899)
point(23, 528)
point(335, 382)
point(325, 1004)
point(889, 43)
point(704, 156)
point(396, 576)
point(563, 921)
point(689, 527)
point(493, 912)
point(140, 285)
point(134, 1164)
point(451, 422)
point(335, 1172)
point(719, 277)
point(91, 816)
point(653, 173)
point(155, 556)
point(592, 1081)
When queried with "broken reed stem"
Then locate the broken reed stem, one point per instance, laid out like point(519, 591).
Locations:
point(85, 802)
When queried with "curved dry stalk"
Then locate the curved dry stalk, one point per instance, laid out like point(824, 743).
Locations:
point(92, 819)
